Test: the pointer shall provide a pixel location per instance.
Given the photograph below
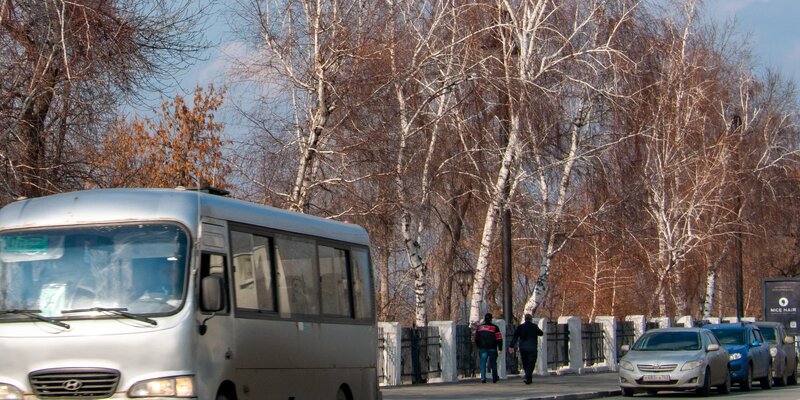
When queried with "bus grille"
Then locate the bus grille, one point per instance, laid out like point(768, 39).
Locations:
point(84, 383)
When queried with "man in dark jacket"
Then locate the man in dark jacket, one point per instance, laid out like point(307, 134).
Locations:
point(528, 336)
point(489, 341)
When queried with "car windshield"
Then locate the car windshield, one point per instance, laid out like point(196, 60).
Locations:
point(668, 341)
point(730, 336)
point(139, 268)
point(769, 334)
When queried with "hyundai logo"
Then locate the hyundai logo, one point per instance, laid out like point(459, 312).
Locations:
point(72, 385)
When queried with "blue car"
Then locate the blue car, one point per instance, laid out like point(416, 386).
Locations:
point(748, 354)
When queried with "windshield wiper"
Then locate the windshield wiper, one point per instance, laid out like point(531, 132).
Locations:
point(122, 311)
point(35, 315)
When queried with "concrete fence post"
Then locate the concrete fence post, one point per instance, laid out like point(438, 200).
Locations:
point(448, 356)
point(663, 322)
point(575, 344)
point(639, 325)
point(501, 355)
point(730, 320)
point(713, 320)
point(392, 353)
point(609, 325)
point(541, 360)
point(686, 320)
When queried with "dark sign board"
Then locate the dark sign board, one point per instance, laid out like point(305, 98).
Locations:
point(782, 302)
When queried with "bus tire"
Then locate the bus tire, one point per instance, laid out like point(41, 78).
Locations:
point(225, 396)
point(226, 391)
point(344, 393)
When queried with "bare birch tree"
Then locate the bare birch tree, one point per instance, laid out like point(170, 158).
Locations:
point(66, 65)
point(426, 66)
point(539, 41)
point(305, 52)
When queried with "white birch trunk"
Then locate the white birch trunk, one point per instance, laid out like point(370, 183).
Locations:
point(711, 280)
point(549, 248)
point(498, 199)
point(708, 303)
point(410, 243)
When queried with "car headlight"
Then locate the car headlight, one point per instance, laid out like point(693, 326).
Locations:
point(9, 392)
point(176, 386)
point(773, 351)
point(627, 365)
point(692, 365)
point(734, 356)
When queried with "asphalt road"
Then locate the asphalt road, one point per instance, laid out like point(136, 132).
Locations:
point(776, 393)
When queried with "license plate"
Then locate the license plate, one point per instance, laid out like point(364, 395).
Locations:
point(656, 378)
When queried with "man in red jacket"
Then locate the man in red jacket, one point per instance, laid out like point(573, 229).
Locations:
point(489, 341)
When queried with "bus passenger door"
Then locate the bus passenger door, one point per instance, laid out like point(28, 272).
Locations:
point(214, 346)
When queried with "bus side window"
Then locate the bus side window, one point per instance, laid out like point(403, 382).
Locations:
point(362, 285)
point(214, 265)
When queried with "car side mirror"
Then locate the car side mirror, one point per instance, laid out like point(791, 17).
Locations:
point(756, 343)
point(211, 290)
point(712, 347)
point(625, 348)
point(788, 340)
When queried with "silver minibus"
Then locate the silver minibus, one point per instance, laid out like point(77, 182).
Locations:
point(175, 293)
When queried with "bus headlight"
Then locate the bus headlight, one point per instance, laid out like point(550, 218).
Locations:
point(9, 392)
point(176, 386)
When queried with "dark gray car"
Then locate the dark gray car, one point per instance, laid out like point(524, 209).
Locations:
point(781, 348)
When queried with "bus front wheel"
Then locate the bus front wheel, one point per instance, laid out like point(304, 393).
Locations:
point(226, 392)
point(224, 396)
point(344, 393)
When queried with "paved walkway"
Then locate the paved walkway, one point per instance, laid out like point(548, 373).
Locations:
point(564, 387)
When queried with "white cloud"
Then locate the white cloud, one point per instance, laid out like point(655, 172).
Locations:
point(729, 8)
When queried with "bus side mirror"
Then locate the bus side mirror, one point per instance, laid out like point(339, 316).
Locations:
point(211, 290)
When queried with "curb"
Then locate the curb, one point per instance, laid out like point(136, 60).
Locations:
point(578, 396)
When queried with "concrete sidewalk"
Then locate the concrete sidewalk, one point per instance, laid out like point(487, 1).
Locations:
point(564, 387)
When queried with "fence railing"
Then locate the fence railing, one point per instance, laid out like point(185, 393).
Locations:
point(446, 352)
point(381, 355)
point(466, 354)
point(592, 344)
point(625, 336)
point(513, 361)
point(557, 345)
point(421, 350)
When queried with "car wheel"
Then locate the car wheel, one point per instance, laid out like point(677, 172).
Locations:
point(793, 376)
point(725, 388)
point(628, 392)
point(766, 382)
point(747, 383)
point(781, 380)
point(706, 388)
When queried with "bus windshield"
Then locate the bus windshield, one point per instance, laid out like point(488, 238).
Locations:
point(138, 268)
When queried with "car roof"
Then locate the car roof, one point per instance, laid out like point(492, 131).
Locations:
point(678, 329)
point(735, 325)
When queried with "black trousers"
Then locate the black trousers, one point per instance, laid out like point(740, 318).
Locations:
point(528, 362)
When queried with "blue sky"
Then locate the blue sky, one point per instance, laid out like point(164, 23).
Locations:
point(772, 27)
